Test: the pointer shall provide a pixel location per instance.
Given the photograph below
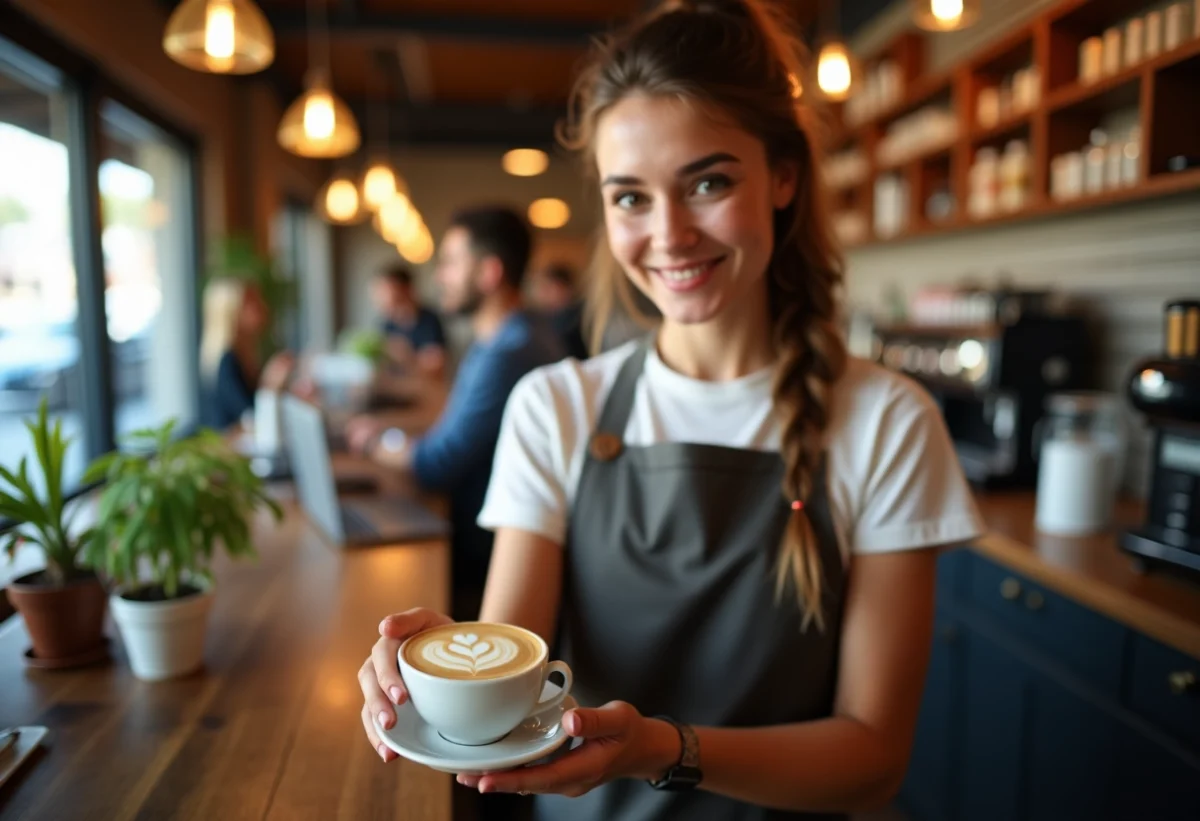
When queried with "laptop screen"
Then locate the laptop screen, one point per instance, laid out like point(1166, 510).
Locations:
point(304, 430)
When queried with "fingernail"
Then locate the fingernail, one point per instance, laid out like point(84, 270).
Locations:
point(396, 693)
point(385, 720)
point(572, 722)
point(484, 788)
point(383, 752)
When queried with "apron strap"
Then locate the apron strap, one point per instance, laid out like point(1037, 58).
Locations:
point(619, 404)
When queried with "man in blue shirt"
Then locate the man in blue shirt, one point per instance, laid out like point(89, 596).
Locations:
point(481, 264)
point(413, 333)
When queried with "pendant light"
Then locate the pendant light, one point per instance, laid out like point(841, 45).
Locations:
point(338, 202)
point(380, 182)
point(835, 72)
point(945, 15)
point(219, 36)
point(318, 124)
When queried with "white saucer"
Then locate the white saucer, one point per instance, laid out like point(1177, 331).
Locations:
point(536, 737)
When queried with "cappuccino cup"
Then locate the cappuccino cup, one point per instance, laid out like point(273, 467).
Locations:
point(475, 682)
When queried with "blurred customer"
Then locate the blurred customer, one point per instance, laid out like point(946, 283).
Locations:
point(555, 294)
point(481, 264)
point(413, 332)
point(236, 319)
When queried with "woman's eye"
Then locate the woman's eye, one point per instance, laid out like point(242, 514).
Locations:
point(627, 199)
point(711, 185)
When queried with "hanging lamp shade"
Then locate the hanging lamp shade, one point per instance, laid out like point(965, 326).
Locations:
point(318, 124)
point(339, 203)
point(834, 72)
point(944, 15)
point(219, 36)
point(380, 183)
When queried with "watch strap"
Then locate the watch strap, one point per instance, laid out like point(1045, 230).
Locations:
point(686, 773)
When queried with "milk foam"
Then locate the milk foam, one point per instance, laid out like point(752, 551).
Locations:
point(468, 653)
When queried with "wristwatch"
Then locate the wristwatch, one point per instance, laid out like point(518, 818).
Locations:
point(685, 774)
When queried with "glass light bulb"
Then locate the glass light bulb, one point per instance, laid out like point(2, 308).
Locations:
point(218, 30)
point(395, 216)
point(341, 200)
point(525, 162)
point(379, 185)
point(318, 116)
point(549, 213)
point(947, 12)
point(833, 71)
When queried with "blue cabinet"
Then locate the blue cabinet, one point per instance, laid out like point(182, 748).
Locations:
point(1049, 711)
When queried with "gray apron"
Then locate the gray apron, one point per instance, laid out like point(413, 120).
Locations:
point(669, 602)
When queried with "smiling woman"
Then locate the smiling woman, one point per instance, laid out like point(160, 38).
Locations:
point(724, 528)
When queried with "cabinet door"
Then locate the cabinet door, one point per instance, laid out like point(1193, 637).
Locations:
point(995, 695)
point(1154, 782)
point(1033, 750)
point(928, 787)
point(1071, 755)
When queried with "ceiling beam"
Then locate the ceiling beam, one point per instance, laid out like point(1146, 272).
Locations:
point(468, 124)
point(350, 22)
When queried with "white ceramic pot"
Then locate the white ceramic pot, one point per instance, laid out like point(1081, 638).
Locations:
point(163, 639)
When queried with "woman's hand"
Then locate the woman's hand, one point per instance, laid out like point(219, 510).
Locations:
point(277, 371)
point(379, 676)
point(619, 743)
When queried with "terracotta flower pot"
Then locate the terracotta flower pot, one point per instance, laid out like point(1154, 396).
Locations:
point(65, 622)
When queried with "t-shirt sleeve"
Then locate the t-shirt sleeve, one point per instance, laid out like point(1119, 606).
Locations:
point(528, 485)
point(430, 331)
point(915, 494)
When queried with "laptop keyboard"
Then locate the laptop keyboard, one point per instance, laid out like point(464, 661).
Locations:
point(354, 523)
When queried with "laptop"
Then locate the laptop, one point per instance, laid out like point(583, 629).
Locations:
point(371, 520)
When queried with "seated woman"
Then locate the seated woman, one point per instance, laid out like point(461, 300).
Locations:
point(235, 319)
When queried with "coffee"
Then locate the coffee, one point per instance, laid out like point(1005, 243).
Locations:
point(473, 650)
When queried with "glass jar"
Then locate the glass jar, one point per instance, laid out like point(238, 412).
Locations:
point(1080, 447)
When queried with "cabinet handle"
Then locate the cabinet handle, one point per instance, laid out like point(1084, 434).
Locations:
point(1035, 600)
point(1010, 589)
point(1182, 682)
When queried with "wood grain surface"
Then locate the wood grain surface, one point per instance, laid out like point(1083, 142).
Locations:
point(269, 729)
point(1093, 570)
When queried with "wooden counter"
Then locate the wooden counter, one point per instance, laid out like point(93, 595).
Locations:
point(1092, 570)
point(271, 728)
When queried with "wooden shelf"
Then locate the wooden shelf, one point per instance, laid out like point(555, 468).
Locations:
point(933, 152)
point(1005, 128)
point(1157, 186)
point(1077, 93)
point(1062, 120)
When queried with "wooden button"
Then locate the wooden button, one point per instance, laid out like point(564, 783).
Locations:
point(604, 447)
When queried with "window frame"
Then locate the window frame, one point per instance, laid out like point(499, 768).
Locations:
point(33, 54)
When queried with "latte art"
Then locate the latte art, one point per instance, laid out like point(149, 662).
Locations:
point(474, 650)
point(471, 654)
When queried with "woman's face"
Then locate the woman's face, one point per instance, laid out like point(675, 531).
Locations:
point(688, 205)
point(254, 314)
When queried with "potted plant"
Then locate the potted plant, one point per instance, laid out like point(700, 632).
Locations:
point(167, 506)
point(63, 603)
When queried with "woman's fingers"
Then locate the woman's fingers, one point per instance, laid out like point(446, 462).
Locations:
point(400, 626)
point(373, 738)
point(375, 698)
point(388, 682)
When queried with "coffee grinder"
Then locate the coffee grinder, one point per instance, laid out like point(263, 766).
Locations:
point(1167, 391)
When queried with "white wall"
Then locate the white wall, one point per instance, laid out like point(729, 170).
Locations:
point(1121, 263)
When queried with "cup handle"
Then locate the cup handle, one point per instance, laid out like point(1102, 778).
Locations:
point(568, 680)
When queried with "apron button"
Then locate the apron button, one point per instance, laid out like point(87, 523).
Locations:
point(604, 447)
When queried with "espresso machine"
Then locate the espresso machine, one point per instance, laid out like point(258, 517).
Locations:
point(990, 358)
point(1167, 390)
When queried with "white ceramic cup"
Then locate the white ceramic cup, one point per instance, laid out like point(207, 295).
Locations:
point(474, 712)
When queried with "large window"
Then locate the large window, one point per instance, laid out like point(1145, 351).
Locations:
point(40, 351)
point(146, 214)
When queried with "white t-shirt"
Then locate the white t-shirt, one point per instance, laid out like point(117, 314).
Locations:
point(894, 482)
